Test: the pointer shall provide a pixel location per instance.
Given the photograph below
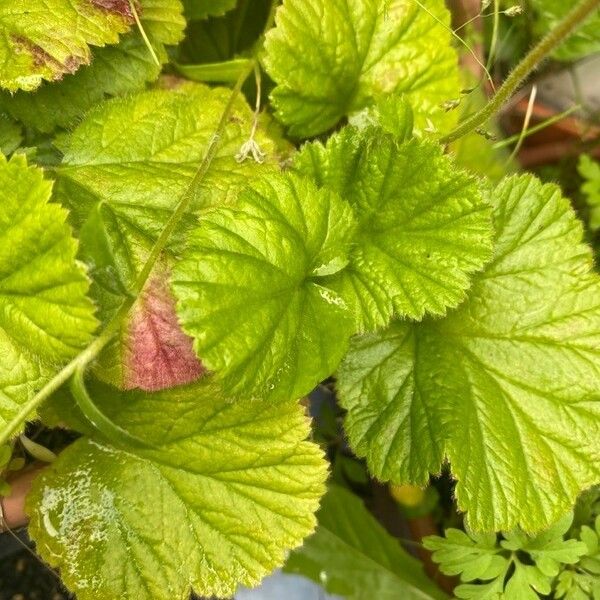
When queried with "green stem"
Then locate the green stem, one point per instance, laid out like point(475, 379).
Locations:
point(555, 37)
point(91, 352)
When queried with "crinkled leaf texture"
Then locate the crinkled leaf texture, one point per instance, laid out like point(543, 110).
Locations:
point(332, 58)
point(223, 490)
point(351, 554)
point(47, 39)
point(250, 287)
point(114, 71)
point(125, 167)
point(45, 317)
point(423, 225)
point(506, 387)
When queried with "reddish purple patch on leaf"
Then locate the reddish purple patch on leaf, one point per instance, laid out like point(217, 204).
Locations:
point(158, 354)
point(120, 7)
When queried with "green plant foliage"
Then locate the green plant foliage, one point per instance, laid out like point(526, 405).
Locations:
point(221, 491)
point(176, 273)
point(114, 71)
point(491, 385)
point(201, 9)
point(331, 58)
point(589, 169)
point(585, 41)
point(45, 318)
point(11, 135)
point(510, 566)
point(121, 193)
point(252, 288)
point(583, 580)
point(47, 44)
point(353, 555)
point(423, 225)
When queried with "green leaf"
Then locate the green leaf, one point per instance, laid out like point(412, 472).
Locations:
point(45, 317)
point(526, 570)
point(251, 287)
point(11, 135)
point(583, 42)
point(505, 387)
point(548, 549)
point(589, 169)
point(114, 71)
point(470, 555)
point(124, 169)
point(220, 39)
point(332, 58)
point(351, 554)
point(227, 71)
point(201, 9)
point(47, 44)
point(424, 227)
point(223, 491)
point(392, 113)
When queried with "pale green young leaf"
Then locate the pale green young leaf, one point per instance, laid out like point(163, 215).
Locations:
point(252, 292)
point(222, 492)
point(423, 225)
point(124, 169)
point(475, 556)
point(351, 554)
point(513, 566)
point(332, 58)
point(548, 549)
point(49, 39)
point(45, 317)
point(114, 71)
point(583, 581)
point(506, 387)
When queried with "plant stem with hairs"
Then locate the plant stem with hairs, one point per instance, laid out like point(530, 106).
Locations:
point(550, 42)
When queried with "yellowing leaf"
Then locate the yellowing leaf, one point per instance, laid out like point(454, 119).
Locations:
point(45, 40)
point(45, 317)
point(222, 492)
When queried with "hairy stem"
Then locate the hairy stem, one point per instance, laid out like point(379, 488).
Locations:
point(91, 352)
point(563, 30)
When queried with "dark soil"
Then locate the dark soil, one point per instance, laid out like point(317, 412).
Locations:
point(25, 577)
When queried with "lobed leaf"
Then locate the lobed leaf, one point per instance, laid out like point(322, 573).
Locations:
point(423, 225)
point(125, 167)
point(115, 70)
point(221, 492)
point(49, 39)
point(252, 291)
point(45, 317)
point(505, 387)
point(332, 58)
